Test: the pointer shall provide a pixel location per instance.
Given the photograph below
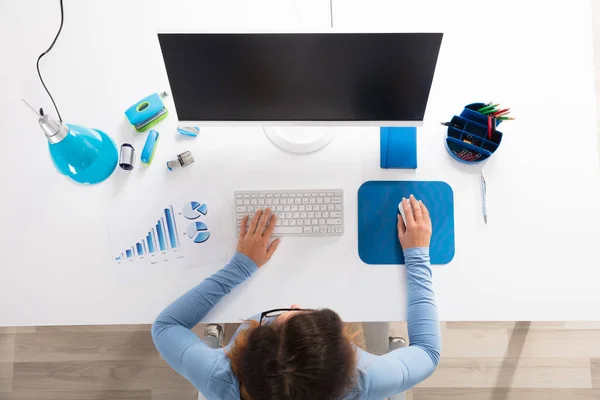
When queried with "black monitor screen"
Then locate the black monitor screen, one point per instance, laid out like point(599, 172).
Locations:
point(301, 77)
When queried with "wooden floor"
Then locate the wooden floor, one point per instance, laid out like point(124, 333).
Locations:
point(480, 361)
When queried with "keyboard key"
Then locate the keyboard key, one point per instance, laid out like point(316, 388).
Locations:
point(315, 229)
point(335, 214)
point(280, 216)
point(319, 200)
point(325, 214)
point(269, 202)
point(288, 215)
point(269, 194)
point(292, 194)
point(327, 200)
point(323, 207)
point(247, 196)
point(338, 207)
point(314, 222)
point(284, 195)
point(322, 221)
point(334, 222)
point(246, 202)
point(254, 195)
point(292, 222)
point(241, 209)
point(303, 215)
point(275, 201)
point(278, 222)
point(240, 215)
point(318, 214)
point(286, 208)
point(296, 215)
point(330, 229)
point(261, 202)
point(311, 214)
point(285, 222)
point(306, 222)
point(297, 201)
point(322, 229)
point(336, 200)
point(305, 200)
point(283, 230)
point(239, 196)
point(254, 202)
point(277, 195)
point(307, 229)
point(330, 194)
point(338, 194)
point(280, 208)
point(314, 194)
point(301, 207)
point(239, 202)
point(322, 194)
point(330, 207)
point(339, 229)
point(299, 222)
point(312, 200)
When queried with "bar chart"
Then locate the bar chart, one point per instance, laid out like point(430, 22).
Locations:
point(161, 237)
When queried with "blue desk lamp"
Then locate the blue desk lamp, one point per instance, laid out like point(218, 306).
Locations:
point(85, 155)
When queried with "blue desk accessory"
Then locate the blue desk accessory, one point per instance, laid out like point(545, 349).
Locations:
point(468, 140)
point(147, 112)
point(150, 147)
point(377, 220)
point(398, 147)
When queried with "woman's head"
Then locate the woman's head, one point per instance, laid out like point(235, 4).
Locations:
point(302, 355)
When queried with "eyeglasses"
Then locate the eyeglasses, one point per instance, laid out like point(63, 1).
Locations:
point(278, 311)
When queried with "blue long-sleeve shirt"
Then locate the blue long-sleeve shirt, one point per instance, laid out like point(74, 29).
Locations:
point(209, 370)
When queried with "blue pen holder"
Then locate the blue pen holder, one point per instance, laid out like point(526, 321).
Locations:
point(468, 140)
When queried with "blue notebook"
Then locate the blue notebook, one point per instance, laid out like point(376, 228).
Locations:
point(377, 219)
point(398, 147)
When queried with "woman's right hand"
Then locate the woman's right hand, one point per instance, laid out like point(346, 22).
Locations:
point(417, 232)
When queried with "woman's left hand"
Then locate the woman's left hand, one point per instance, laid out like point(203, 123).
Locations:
point(254, 239)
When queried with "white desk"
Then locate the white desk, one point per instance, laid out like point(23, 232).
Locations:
point(527, 264)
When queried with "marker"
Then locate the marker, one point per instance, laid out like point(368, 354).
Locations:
point(506, 118)
point(489, 136)
point(502, 114)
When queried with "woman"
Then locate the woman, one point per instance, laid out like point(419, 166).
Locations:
point(301, 354)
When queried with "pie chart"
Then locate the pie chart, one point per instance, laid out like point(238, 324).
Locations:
point(193, 210)
point(198, 232)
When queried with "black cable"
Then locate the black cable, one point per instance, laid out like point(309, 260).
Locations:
point(62, 18)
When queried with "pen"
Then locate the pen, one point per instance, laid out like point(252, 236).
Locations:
point(483, 196)
point(505, 118)
point(449, 124)
point(489, 133)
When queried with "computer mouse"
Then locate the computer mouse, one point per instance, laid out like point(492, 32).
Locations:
point(401, 210)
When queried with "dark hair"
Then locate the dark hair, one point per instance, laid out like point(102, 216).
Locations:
point(309, 356)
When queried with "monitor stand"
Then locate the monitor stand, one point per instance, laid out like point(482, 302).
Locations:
point(300, 140)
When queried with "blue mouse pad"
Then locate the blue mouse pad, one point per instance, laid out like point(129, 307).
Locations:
point(377, 220)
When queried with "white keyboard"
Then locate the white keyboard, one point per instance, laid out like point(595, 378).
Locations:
point(299, 212)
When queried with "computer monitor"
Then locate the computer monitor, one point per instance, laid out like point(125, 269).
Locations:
point(300, 79)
